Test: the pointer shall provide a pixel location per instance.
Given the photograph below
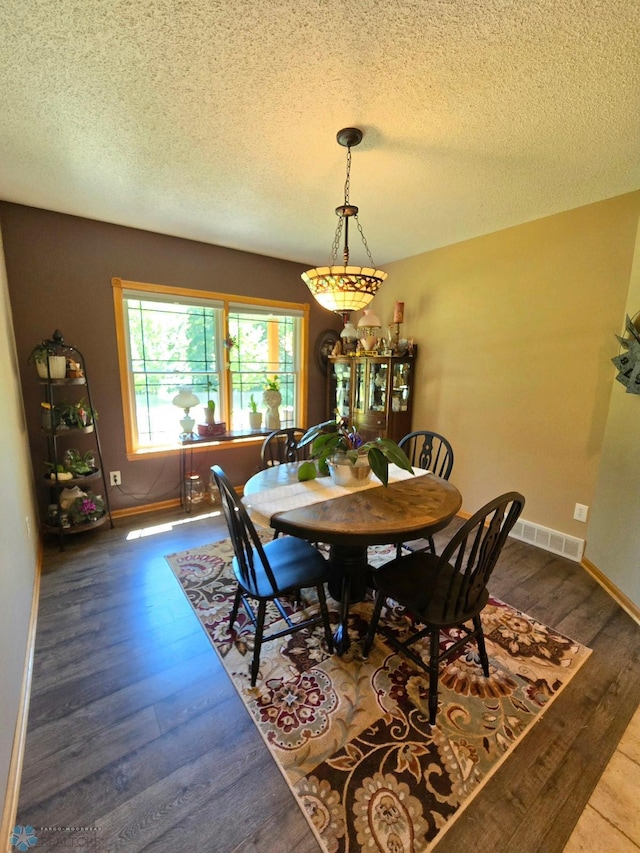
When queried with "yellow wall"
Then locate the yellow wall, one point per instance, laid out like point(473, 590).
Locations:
point(614, 528)
point(515, 332)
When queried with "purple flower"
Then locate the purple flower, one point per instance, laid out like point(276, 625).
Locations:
point(356, 440)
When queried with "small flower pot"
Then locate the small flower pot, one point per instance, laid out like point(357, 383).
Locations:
point(57, 367)
point(255, 420)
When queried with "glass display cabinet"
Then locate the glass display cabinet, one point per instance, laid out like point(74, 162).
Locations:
point(341, 375)
point(374, 392)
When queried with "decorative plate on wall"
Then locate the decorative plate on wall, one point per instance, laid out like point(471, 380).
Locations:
point(324, 347)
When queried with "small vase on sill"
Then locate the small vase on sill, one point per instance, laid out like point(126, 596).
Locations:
point(272, 399)
point(255, 420)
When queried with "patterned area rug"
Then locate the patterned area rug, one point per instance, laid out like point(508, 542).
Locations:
point(351, 737)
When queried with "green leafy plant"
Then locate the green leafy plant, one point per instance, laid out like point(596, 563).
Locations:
point(271, 384)
point(78, 463)
point(74, 415)
point(41, 352)
point(75, 464)
point(336, 436)
point(58, 472)
point(253, 406)
point(210, 403)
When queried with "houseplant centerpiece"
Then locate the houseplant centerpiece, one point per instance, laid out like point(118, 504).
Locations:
point(335, 444)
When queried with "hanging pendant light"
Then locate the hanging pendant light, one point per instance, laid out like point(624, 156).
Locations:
point(344, 288)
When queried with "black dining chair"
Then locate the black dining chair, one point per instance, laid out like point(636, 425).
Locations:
point(433, 452)
point(429, 450)
point(281, 446)
point(446, 591)
point(265, 573)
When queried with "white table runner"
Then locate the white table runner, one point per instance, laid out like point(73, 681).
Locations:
point(263, 505)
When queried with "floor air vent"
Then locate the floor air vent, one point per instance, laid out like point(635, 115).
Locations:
point(549, 540)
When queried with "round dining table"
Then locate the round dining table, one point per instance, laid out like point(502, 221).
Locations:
point(349, 520)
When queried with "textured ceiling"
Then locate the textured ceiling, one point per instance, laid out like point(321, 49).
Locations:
point(216, 119)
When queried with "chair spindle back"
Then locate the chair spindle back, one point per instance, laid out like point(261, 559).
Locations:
point(247, 546)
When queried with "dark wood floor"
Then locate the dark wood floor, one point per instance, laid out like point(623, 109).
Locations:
point(134, 727)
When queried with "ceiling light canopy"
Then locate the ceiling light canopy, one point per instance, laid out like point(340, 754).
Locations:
point(344, 288)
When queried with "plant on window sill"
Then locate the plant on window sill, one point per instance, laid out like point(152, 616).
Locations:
point(271, 384)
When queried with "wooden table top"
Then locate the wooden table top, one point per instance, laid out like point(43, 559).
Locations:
point(404, 510)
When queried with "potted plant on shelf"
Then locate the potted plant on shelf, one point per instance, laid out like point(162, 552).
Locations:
point(338, 449)
point(271, 397)
point(78, 415)
point(75, 465)
point(255, 417)
point(86, 509)
point(48, 364)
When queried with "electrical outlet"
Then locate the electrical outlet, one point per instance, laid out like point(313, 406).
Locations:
point(580, 512)
point(114, 478)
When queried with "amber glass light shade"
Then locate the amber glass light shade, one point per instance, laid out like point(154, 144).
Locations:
point(343, 289)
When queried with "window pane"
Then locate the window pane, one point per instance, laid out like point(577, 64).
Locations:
point(171, 346)
point(176, 339)
point(265, 346)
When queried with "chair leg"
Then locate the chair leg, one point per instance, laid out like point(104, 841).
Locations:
point(432, 545)
point(255, 663)
point(373, 625)
point(434, 660)
point(324, 610)
point(235, 608)
point(482, 649)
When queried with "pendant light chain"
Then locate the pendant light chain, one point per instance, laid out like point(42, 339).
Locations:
point(336, 238)
point(336, 241)
point(364, 240)
point(347, 182)
point(345, 288)
point(347, 187)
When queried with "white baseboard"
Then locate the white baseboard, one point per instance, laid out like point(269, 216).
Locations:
point(548, 539)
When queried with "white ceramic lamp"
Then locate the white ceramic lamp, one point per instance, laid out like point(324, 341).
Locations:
point(186, 400)
point(349, 332)
point(368, 324)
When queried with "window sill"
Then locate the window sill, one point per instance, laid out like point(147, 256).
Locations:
point(197, 444)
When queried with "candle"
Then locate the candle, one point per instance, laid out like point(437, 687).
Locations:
point(398, 312)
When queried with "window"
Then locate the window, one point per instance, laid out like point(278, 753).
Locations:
point(222, 347)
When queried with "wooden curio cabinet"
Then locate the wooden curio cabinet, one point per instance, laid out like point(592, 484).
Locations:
point(375, 392)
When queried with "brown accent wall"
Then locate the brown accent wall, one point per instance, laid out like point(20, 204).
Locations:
point(59, 271)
